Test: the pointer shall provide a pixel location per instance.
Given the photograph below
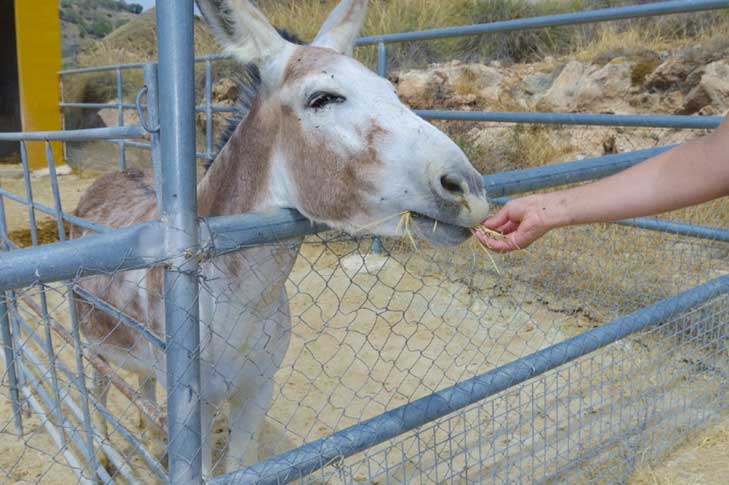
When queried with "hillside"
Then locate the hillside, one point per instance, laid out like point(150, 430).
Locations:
point(84, 22)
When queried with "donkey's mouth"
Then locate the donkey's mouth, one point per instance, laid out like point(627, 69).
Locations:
point(438, 232)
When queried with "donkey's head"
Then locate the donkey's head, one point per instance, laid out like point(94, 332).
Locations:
point(343, 149)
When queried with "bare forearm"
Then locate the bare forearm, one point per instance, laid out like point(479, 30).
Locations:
point(689, 174)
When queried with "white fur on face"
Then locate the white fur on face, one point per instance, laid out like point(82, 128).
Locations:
point(410, 154)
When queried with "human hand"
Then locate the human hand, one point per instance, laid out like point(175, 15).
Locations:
point(521, 221)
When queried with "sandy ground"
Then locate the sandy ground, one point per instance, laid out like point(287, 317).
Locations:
point(370, 334)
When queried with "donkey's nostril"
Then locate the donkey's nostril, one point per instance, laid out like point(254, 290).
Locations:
point(453, 184)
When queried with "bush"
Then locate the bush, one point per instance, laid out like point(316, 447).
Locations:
point(100, 28)
point(521, 45)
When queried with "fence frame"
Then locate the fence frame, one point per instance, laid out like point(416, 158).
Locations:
point(180, 239)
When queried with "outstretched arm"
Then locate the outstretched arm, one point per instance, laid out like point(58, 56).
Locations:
point(689, 174)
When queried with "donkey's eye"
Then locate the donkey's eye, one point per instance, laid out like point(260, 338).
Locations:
point(321, 99)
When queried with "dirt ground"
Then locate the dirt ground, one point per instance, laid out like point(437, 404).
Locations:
point(372, 333)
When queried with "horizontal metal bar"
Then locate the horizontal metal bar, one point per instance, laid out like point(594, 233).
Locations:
point(219, 108)
point(662, 225)
point(141, 246)
point(148, 146)
point(134, 65)
point(76, 221)
point(313, 456)
point(220, 235)
point(120, 316)
point(112, 133)
point(123, 249)
point(113, 67)
point(585, 119)
point(573, 18)
point(529, 179)
point(680, 228)
point(98, 105)
point(212, 57)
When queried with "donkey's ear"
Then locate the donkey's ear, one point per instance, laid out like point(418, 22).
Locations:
point(342, 27)
point(242, 29)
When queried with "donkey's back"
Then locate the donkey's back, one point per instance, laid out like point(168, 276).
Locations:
point(116, 200)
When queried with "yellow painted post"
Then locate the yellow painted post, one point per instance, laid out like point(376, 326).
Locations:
point(38, 40)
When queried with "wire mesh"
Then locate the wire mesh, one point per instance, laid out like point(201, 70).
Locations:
point(370, 333)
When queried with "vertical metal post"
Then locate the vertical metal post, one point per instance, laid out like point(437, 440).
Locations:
point(208, 108)
point(8, 345)
point(120, 117)
point(63, 117)
point(75, 331)
point(151, 81)
point(43, 298)
point(179, 212)
point(382, 71)
point(382, 59)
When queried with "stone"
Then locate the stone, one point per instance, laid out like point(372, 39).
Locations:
point(584, 87)
point(711, 92)
point(61, 170)
point(671, 74)
point(536, 84)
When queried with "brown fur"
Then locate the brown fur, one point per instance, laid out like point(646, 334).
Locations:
point(117, 199)
point(235, 181)
point(306, 60)
point(330, 187)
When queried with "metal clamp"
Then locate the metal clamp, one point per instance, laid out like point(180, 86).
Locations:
point(140, 113)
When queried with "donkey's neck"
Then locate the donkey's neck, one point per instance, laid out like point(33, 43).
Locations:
point(239, 179)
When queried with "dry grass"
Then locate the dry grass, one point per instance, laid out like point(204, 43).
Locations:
point(702, 458)
point(304, 17)
point(536, 145)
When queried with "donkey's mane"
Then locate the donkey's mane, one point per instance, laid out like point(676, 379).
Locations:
point(248, 84)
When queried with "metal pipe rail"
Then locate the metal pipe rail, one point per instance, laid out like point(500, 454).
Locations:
point(315, 455)
point(89, 134)
point(582, 119)
point(574, 18)
point(141, 246)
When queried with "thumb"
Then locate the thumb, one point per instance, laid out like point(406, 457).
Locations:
point(498, 220)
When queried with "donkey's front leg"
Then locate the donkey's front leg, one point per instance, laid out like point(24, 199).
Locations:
point(248, 410)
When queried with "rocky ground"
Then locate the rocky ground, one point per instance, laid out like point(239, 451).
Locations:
point(692, 81)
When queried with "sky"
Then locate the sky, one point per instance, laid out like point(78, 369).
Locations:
point(145, 3)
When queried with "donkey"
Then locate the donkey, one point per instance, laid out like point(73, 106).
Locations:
point(324, 135)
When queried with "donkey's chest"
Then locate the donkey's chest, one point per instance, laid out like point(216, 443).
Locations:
point(245, 322)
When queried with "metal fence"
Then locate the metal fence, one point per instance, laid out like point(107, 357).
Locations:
point(573, 361)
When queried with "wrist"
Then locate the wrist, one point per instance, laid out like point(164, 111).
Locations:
point(554, 210)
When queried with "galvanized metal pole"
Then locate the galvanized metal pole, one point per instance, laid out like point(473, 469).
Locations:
point(382, 71)
point(151, 80)
point(7, 336)
point(120, 117)
point(179, 212)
